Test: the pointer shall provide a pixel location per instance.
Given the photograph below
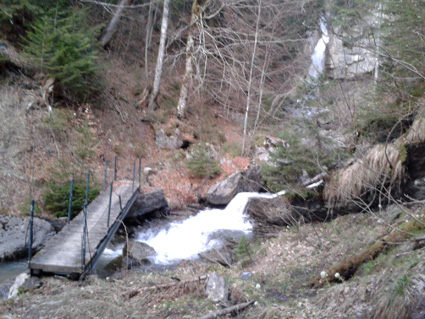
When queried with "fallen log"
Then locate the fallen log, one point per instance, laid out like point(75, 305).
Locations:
point(347, 268)
point(228, 310)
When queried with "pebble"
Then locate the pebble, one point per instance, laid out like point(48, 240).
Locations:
point(246, 275)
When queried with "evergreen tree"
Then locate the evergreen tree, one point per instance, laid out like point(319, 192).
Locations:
point(63, 46)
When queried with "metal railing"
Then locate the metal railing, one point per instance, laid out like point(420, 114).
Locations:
point(85, 238)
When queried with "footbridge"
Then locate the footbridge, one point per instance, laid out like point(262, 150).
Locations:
point(76, 249)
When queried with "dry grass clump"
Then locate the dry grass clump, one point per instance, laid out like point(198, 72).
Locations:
point(381, 164)
point(417, 131)
point(397, 301)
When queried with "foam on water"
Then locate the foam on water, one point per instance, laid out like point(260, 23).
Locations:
point(186, 239)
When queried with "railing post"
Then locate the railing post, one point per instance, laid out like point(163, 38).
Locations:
point(134, 174)
point(83, 249)
point(31, 230)
point(87, 188)
point(109, 207)
point(115, 168)
point(70, 200)
point(140, 172)
point(105, 177)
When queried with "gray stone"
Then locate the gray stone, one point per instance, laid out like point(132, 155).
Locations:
point(355, 60)
point(246, 275)
point(147, 203)
point(14, 236)
point(217, 289)
point(4, 290)
point(252, 179)
point(272, 213)
point(58, 223)
point(31, 283)
point(223, 192)
point(172, 142)
point(138, 253)
point(220, 256)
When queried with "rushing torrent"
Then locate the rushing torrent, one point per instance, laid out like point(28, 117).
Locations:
point(186, 239)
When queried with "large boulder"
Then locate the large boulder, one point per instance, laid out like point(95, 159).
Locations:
point(147, 203)
point(136, 253)
point(171, 142)
point(14, 236)
point(269, 214)
point(223, 192)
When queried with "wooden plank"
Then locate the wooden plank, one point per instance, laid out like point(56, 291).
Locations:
point(62, 253)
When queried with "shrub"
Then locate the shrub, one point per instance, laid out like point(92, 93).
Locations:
point(202, 163)
point(289, 163)
point(243, 249)
point(56, 197)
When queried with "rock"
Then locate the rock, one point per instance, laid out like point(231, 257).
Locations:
point(220, 256)
point(272, 213)
point(351, 61)
point(58, 223)
point(172, 142)
point(246, 275)
point(31, 283)
point(217, 289)
point(262, 152)
point(223, 192)
point(252, 179)
point(19, 281)
point(415, 163)
point(208, 148)
point(269, 212)
point(137, 253)
point(14, 236)
point(147, 203)
point(4, 290)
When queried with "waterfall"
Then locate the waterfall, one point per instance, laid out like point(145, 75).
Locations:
point(318, 58)
point(186, 239)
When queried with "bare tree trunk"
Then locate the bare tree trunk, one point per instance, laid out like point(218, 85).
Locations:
point(187, 78)
point(110, 30)
point(248, 99)
point(260, 98)
point(378, 44)
point(149, 29)
point(160, 59)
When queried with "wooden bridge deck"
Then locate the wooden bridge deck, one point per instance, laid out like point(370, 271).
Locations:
point(63, 252)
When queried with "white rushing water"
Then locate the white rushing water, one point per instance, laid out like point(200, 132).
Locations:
point(188, 238)
point(319, 56)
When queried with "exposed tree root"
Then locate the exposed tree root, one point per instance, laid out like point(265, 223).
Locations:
point(347, 268)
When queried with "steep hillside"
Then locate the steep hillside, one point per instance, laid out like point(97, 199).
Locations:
point(326, 97)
